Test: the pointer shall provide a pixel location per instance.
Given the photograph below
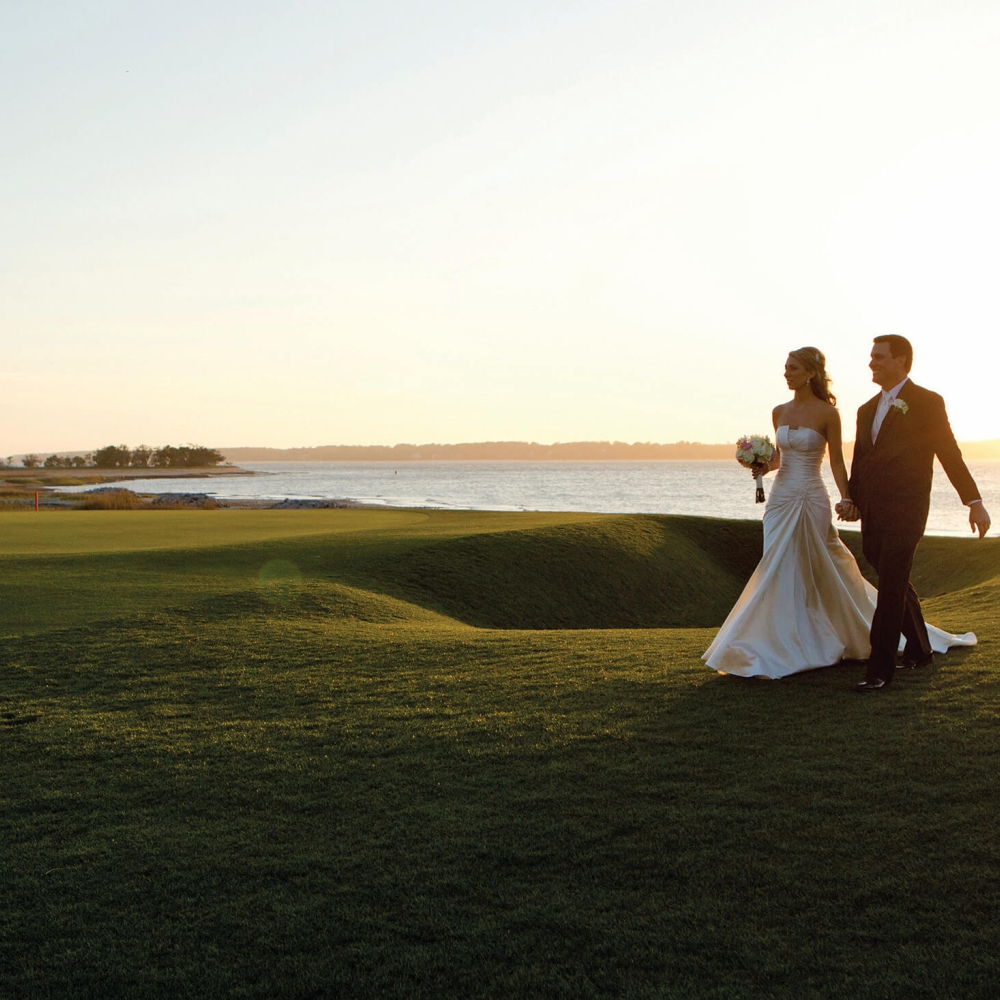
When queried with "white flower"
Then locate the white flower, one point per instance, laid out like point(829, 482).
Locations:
point(758, 449)
point(900, 404)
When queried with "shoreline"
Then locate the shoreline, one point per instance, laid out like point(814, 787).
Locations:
point(50, 499)
point(22, 494)
point(19, 487)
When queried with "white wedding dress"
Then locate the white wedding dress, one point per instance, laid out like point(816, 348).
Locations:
point(807, 604)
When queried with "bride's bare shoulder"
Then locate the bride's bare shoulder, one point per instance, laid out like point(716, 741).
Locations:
point(829, 411)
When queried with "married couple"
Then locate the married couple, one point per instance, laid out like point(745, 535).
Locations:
point(806, 604)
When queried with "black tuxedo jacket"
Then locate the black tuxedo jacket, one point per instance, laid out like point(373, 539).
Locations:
point(891, 479)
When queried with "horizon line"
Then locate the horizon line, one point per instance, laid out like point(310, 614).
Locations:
point(468, 444)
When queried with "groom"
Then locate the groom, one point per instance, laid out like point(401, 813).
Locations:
point(899, 433)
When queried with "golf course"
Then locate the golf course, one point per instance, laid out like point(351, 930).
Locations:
point(426, 753)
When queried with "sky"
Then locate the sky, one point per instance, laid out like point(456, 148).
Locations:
point(302, 223)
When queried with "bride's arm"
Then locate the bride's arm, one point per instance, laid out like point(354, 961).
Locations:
point(775, 462)
point(837, 464)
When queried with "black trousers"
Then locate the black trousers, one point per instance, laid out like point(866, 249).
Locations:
point(898, 608)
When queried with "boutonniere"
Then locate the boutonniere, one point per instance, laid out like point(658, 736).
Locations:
point(900, 404)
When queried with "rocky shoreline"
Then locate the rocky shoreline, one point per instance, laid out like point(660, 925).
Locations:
point(18, 489)
point(120, 498)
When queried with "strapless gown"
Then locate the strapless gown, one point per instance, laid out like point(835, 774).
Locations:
point(806, 604)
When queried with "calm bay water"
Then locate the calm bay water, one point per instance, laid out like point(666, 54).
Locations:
point(708, 488)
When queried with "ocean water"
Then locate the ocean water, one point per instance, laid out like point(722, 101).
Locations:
point(706, 488)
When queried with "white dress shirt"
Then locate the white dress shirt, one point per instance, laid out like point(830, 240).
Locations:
point(884, 405)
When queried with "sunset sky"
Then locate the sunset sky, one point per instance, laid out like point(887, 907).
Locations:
point(305, 223)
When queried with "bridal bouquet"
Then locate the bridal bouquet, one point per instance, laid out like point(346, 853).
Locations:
point(754, 452)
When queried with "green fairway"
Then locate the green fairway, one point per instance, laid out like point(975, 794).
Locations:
point(78, 532)
point(452, 754)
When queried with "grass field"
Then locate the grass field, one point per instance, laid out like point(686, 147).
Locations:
point(435, 754)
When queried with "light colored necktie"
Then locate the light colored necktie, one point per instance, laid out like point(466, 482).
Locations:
point(880, 414)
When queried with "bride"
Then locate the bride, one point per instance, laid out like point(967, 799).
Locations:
point(806, 604)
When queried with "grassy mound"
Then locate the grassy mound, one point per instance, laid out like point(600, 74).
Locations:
point(943, 565)
point(612, 572)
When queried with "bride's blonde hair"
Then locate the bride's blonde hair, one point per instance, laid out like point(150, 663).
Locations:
point(813, 359)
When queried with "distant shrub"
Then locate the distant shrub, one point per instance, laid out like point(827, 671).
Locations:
point(120, 456)
point(113, 499)
point(113, 457)
point(140, 457)
point(186, 457)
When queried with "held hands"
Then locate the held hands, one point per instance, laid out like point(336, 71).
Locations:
point(846, 511)
point(979, 520)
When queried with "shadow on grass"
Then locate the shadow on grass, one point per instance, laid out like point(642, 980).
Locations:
point(612, 572)
point(289, 807)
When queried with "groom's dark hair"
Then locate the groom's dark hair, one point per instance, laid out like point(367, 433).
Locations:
point(899, 347)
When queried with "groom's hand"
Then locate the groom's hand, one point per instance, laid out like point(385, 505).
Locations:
point(846, 511)
point(979, 519)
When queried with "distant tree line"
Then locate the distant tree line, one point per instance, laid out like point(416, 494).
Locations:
point(122, 457)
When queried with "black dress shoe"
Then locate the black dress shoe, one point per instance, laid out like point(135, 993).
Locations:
point(909, 664)
point(864, 687)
